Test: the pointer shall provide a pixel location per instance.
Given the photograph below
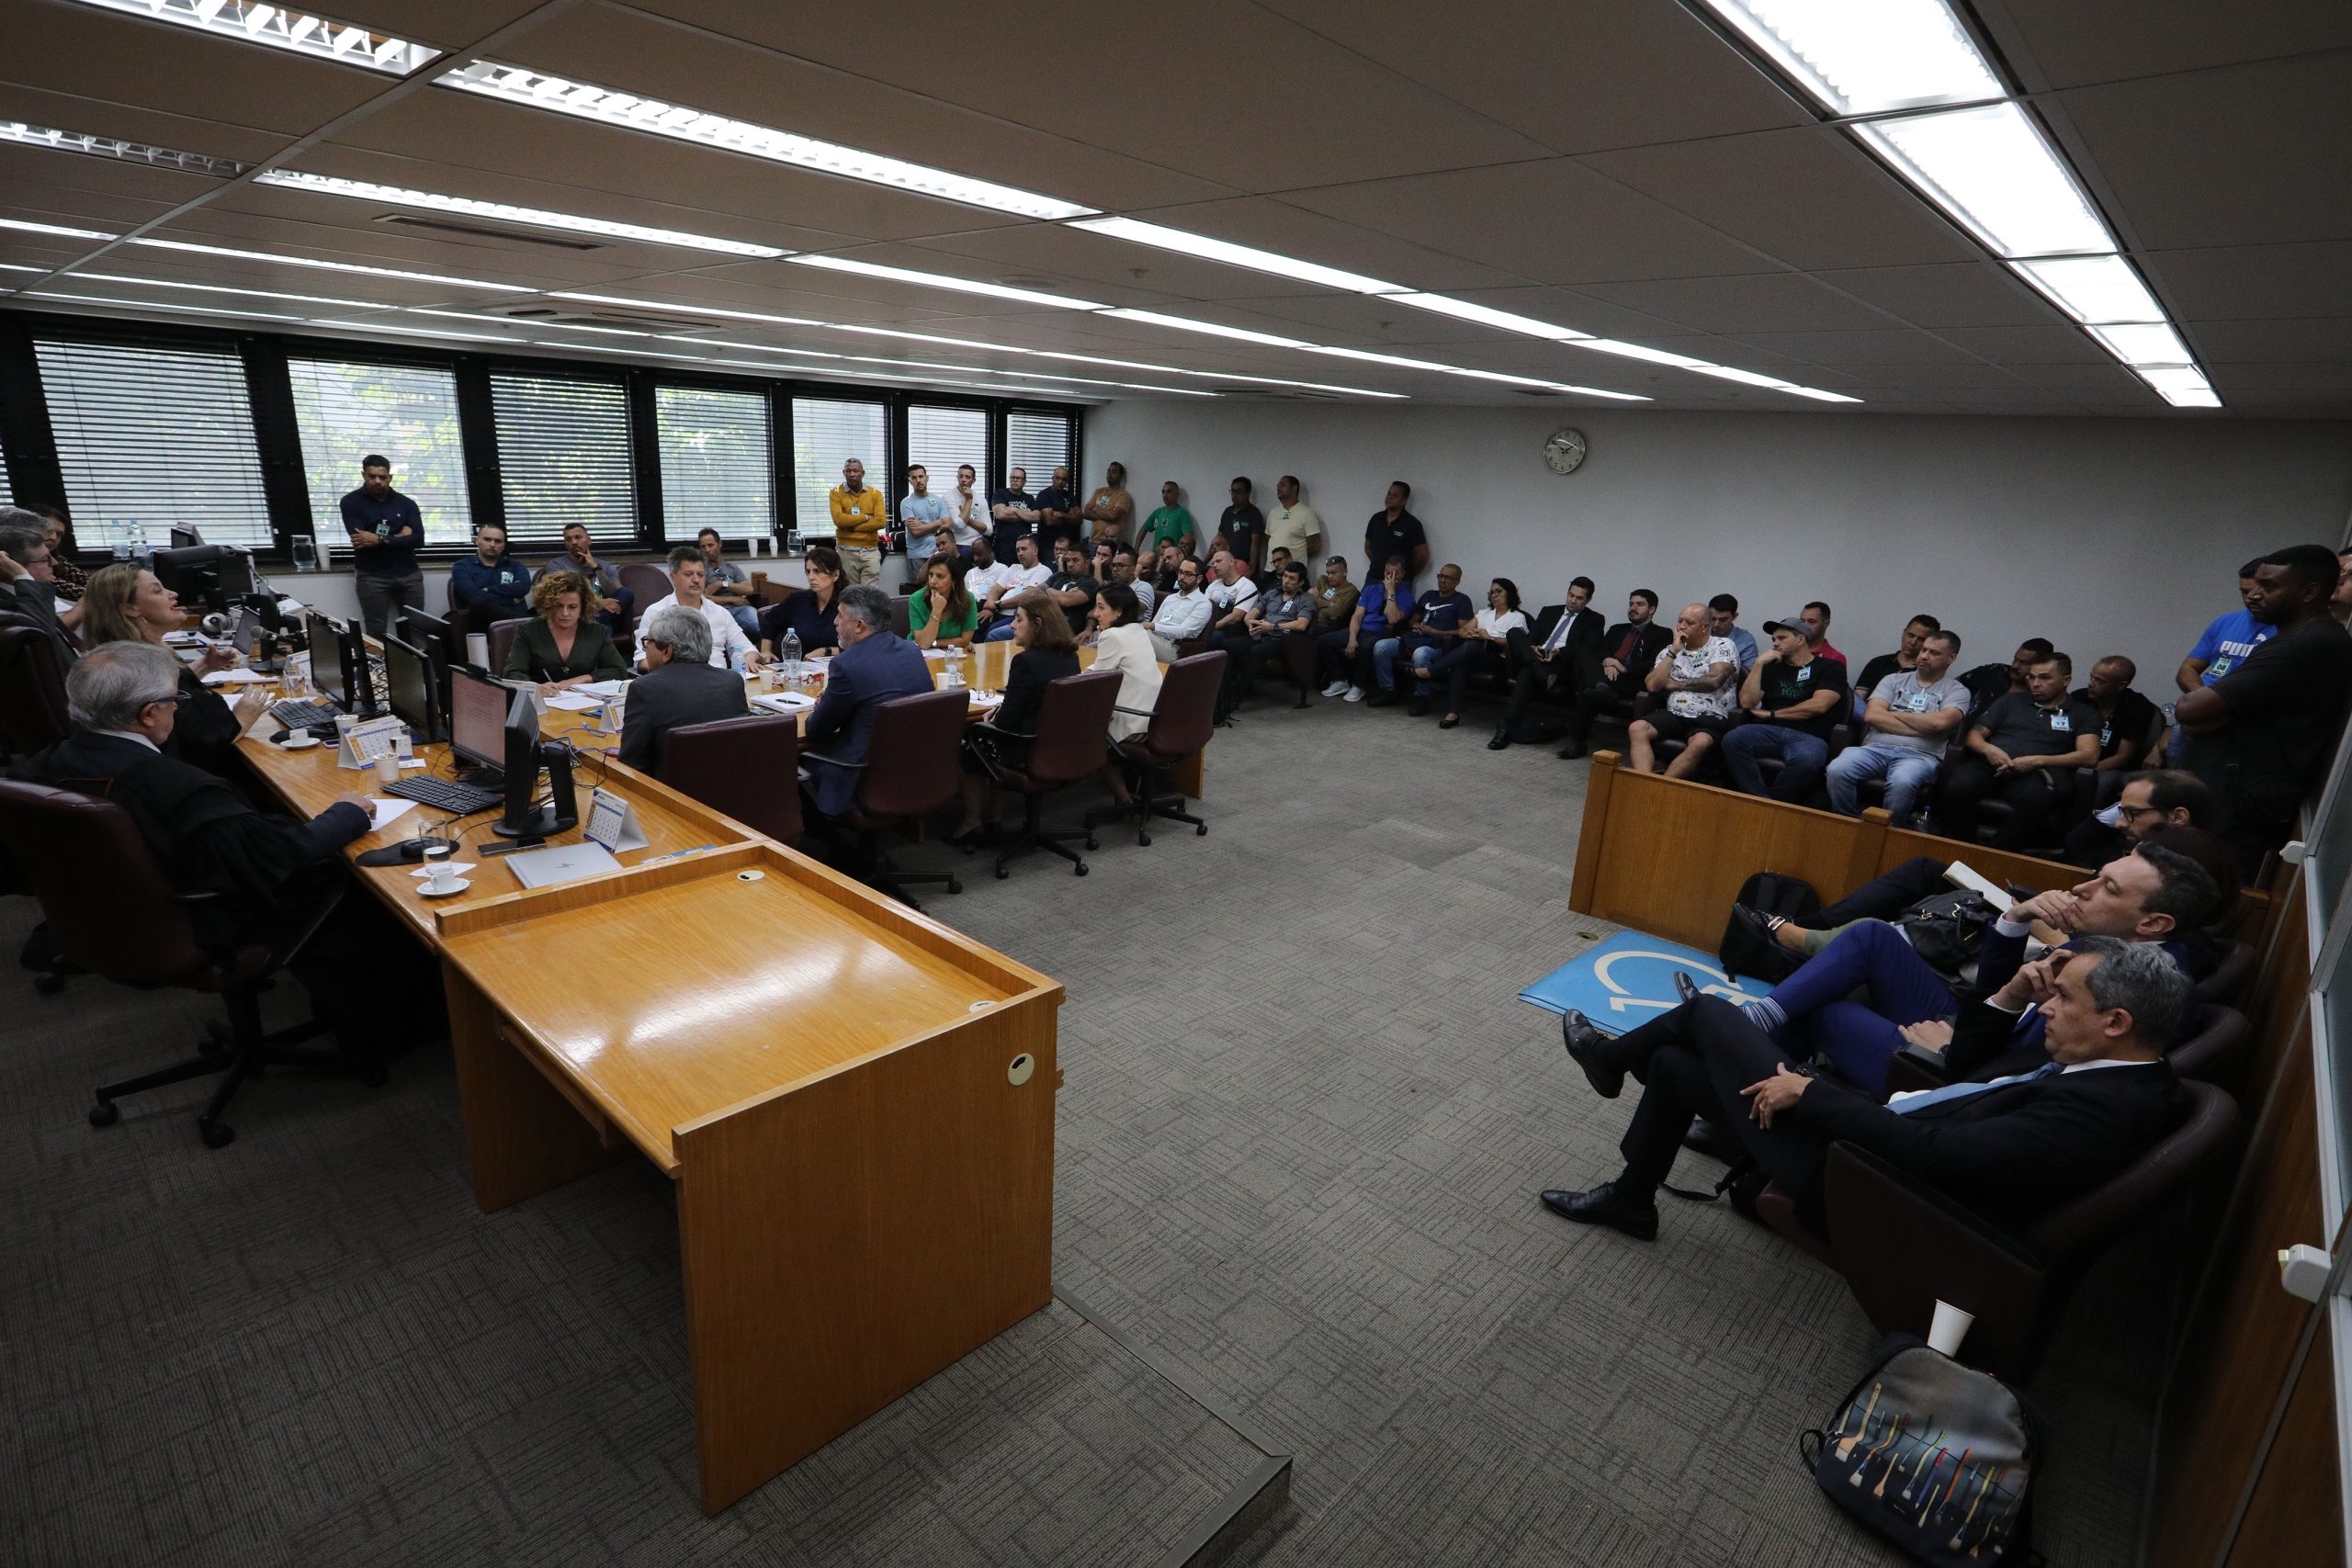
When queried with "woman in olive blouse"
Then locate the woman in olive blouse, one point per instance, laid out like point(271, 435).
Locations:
point(559, 649)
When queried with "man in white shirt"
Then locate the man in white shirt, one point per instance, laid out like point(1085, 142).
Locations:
point(986, 572)
point(727, 639)
point(1183, 615)
point(967, 512)
point(1030, 575)
point(1123, 565)
point(1292, 525)
point(1698, 674)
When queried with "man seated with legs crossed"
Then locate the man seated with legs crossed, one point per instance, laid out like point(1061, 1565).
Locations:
point(2012, 1146)
point(1698, 674)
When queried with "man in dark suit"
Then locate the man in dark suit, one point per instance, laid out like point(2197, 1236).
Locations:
point(2010, 1146)
point(27, 584)
point(1614, 671)
point(873, 666)
point(680, 686)
point(1548, 661)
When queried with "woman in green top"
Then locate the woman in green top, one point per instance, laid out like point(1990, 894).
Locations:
point(942, 614)
point(560, 650)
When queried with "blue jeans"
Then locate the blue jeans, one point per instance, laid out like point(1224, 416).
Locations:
point(1420, 655)
point(998, 630)
point(1803, 758)
point(746, 617)
point(1905, 773)
point(1872, 957)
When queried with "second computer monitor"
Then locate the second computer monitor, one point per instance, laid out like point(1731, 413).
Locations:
point(408, 681)
point(328, 670)
point(478, 717)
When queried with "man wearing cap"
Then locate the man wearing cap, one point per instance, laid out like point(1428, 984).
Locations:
point(1793, 697)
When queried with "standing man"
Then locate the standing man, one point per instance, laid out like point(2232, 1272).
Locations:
point(1057, 513)
point(1626, 653)
point(1698, 676)
point(490, 585)
point(859, 517)
point(1110, 509)
point(1293, 524)
point(1244, 526)
point(1396, 532)
point(967, 517)
point(1170, 523)
point(613, 601)
point(1911, 717)
point(1795, 698)
point(385, 528)
point(926, 517)
point(1013, 511)
point(2024, 749)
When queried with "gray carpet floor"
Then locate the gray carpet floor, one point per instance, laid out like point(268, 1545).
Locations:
point(1303, 1128)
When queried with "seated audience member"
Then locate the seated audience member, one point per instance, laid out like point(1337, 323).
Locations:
point(1698, 676)
point(680, 685)
point(27, 578)
point(1817, 627)
point(941, 613)
point(1183, 611)
point(1122, 642)
point(1272, 575)
point(1243, 526)
point(1793, 698)
point(1099, 558)
point(68, 580)
point(1026, 575)
point(1269, 618)
point(1072, 586)
point(2160, 797)
point(1484, 644)
point(875, 665)
point(2012, 1147)
point(2126, 719)
point(2024, 749)
point(490, 585)
point(560, 649)
point(1231, 598)
point(808, 614)
point(1723, 614)
point(1905, 657)
point(1045, 651)
point(727, 639)
point(1550, 661)
point(1335, 601)
point(614, 601)
point(1987, 683)
point(726, 584)
point(1013, 511)
point(1346, 657)
point(2261, 736)
point(1909, 722)
point(1627, 652)
point(1127, 571)
point(1436, 624)
point(981, 577)
point(124, 602)
point(1163, 569)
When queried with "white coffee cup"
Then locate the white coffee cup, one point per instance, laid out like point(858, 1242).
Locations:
point(387, 770)
point(1950, 1328)
point(443, 877)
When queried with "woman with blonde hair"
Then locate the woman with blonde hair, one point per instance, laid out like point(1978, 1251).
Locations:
point(124, 602)
point(562, 647)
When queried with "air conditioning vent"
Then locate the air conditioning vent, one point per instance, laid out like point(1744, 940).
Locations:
point(1534, 393)
point(544, 315)
point(1297, 395)
point(480, 231)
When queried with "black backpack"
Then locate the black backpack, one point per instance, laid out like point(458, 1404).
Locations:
point(1932, 1455)
point(1768, 892)
point(1947, 929)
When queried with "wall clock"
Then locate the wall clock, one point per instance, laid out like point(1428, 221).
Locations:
point(1564, 452)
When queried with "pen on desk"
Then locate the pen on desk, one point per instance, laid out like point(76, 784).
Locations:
point(678, 854)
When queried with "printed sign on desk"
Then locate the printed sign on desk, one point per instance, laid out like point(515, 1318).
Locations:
point(1629, 979)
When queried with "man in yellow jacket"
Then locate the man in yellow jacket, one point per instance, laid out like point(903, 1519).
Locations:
point(859, 516)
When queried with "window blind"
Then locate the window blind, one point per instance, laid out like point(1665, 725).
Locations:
point(346, 411)
point(1039, 442)
point(563, 457)
point(717, 470)
point(154, 437)
point(827, 433)
point(940, 438)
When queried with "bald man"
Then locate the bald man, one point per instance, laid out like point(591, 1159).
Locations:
point(1698, 675)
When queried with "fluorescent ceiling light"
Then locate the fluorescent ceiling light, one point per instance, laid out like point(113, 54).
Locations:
point(1817, 395)
point(685, 309)
point(2183, 386)
point(942, 280)
point(127, 152)
point(379, 326)
point(31, 228)
point(2157, 344)
point(224, 288)
point(2094, 290)
point(518, 321)
point(1867, 56)
point(158, 305)
point(328, 265)
point(1185, 325)
point(506, 212)
point(278, 27)
point(760, 347)
point(1370, 357)
point(14, 266)
point(1635, 351)
point(1027, 374)
point(1249, 256)
point(1488, 317)
point(1747, 377)
point(2193, 400)
point(538, 90)
point(1995, 173)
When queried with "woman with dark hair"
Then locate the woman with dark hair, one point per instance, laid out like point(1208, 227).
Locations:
point(1122, 642)
point(809, 612)
point(1484, 644)
point(942, 614)
point(560, 649)
point(1046, 650)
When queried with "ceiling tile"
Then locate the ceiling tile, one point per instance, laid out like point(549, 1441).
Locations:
point(1773, 301)
point(2068, 43)
point(1891, 347)
point(2029, 345)
point(180, 133)
point(1292, 230)
point(1961, 294)
point(2224, 282)
point(2279, 376)
point(2110, 380)
point(2321, 338)
point(40, 175)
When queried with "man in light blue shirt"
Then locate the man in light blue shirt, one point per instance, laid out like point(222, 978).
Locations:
point(924, 516)
point(1723, 613)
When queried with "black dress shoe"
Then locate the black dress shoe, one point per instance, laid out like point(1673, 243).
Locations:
point(1379, 698)
point(1756, 924)
point(1685, 987)
point(1588, 1049)
point(1417, 708)
point(1604, 1205)
point(1501, 741)
point(1449, 721)
point(1704, 1137)
point(1571, 751)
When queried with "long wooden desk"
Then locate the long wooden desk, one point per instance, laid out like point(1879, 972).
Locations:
point(855, 1102)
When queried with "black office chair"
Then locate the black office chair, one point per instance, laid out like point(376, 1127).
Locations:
point(914, 768)
point(1181, 722)
point(1073, 723)
point(110, 910)
point(32, 688)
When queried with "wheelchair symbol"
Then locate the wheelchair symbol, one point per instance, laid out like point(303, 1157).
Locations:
point(1713, 981)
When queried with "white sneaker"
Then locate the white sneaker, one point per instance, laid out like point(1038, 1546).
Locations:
point(1355, 694)
point(1335, 688)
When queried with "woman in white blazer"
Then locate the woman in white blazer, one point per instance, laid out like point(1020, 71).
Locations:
point(1122, 642)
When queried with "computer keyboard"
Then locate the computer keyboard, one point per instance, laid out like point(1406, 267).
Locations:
point(445, 795)
point(302, 713)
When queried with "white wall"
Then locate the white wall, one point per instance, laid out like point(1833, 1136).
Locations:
point(2105, 536)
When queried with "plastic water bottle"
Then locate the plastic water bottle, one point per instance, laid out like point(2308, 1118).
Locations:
point(123, 532)
point(735, 661)
point(140, 548)
point(790, 653)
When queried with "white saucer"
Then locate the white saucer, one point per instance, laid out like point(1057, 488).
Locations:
point(457, 887)
point(299, 743)
point(461, 867)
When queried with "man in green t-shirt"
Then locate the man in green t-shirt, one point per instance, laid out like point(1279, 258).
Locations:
point(1169, 524)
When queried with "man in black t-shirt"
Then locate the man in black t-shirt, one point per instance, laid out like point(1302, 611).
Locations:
point(1793, 698)
point(1907, 656)
point(1013, 511)
point(1396, 532)
point(2262, 736)
point(1072, 586)
point(1244, 527)
point(2024, 750)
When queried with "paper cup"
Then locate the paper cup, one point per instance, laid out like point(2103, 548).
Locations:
point(388, 769)
point(1950, 1328)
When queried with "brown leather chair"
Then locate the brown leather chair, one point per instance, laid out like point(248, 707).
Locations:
point(901, 615)
point(32, 688)
point(1299, 652)
point(501, 637)
point(914, 768)
point(110, 910)
point(2211, 1053)
point(1902, 1246)
point(2232, 969)
point(1073, 726)
point(649, 584)
point(748, 768)
point(1181, 722)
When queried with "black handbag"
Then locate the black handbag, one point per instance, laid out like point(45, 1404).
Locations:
point(1947, 929)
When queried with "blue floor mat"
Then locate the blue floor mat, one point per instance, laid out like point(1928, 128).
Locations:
point(1629, 979)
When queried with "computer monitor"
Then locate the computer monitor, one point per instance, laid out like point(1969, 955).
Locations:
point(478, 708)
point(524, 817)
point(185, 538)
point(409, 681)
point(192, 572)
point(329, 672)
point(236, 576)
point(444, 643)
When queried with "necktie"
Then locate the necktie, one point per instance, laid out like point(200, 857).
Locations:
point(1625, 648)
point(1952, 1091)
point(1560, 631)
